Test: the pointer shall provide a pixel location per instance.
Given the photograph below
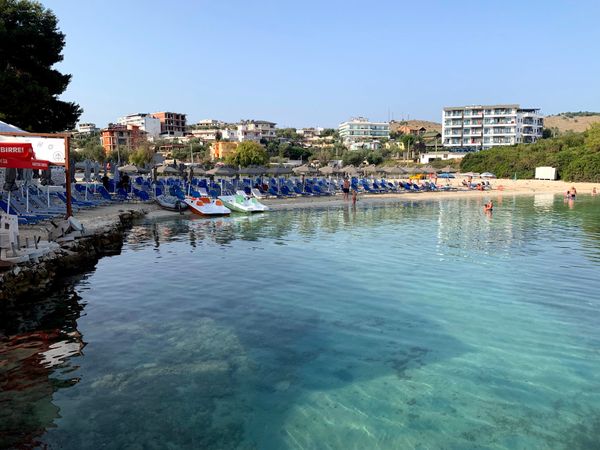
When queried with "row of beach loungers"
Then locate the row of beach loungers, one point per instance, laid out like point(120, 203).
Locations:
point(34, 203)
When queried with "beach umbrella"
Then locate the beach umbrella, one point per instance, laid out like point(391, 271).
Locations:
point(305, 170)
point(223, 171)
point(371, 169)
point(253, 170)
point(446, 175)
point(394, 170)
point(329, 170)
point(487, 175)
point(468, 174)
point(447, 169)
point(278, 170)
point(350, 170)
point(166, 170)
point(129, 168)
point(427, 169)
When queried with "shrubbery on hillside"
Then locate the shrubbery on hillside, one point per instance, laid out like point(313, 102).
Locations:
point(575, 155)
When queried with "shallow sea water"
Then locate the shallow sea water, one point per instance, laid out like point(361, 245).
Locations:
point(421, 325)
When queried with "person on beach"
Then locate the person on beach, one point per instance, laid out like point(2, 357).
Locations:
point(354, 197)
point(594, 191)
point(346, 188)
point(104, 181)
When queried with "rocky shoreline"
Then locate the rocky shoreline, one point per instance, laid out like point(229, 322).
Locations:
point(35, 278)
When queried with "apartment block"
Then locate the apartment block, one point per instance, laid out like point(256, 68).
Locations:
point(361, 130)
point(151, 125)
point(255, 130)
point(171, 124)
point(87, 128)
point(121, 136)
point(472, 128)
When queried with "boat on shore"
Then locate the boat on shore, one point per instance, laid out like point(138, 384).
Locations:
point(171, 203)
point(205, 206)
point(244, 204)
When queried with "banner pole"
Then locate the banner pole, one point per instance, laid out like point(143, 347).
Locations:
point(68, 175)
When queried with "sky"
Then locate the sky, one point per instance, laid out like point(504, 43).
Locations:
point(318, 63)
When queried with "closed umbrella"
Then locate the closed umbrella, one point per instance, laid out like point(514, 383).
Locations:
point(10, 184)
point(87, 171)
point(117, 177)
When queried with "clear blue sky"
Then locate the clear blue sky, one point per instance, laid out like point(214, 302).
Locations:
point(308, 63)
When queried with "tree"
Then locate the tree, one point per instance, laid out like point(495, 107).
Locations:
point(94, 152)
point(592, 138)
point(248, 154)
point(30, 45)
point(142, 155)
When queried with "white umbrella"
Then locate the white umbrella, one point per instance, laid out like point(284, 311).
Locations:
point(487, 175)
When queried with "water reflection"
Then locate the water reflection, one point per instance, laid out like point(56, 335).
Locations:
point(37, 342)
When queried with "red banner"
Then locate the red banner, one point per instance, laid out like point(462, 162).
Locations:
point(16, 150)
point(17, 163)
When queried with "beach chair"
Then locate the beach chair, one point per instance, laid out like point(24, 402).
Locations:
point(257, 193)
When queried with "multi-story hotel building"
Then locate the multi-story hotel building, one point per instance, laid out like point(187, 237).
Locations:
point(360, 129)
point(151, 125)
point(171, 124)
point(472, 128)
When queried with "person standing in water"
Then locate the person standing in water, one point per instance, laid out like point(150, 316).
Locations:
point(346, 188)
point(354, 197)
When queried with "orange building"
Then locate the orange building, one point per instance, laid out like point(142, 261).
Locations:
point(171, 124)
point(121, 136)
point(221, 149)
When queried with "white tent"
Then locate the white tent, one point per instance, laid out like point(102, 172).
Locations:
point(8, 128)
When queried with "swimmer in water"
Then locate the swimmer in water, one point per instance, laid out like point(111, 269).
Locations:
point(489, 206)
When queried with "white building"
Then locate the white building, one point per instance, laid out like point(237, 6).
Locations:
point(146, 122)
point(210, 123)
point(360, 129)
point(471, 128)
point(308, 133)
point(255, 130)
point(87, 128)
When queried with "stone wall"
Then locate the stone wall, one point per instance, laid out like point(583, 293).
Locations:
point(37, 278)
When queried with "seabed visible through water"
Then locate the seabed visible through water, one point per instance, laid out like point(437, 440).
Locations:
point(416, 325)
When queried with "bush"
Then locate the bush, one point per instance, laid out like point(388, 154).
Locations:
point(575, 155)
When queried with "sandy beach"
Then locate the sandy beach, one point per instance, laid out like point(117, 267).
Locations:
point(499, 187)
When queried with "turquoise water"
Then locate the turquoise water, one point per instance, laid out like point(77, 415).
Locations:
point(417, 325)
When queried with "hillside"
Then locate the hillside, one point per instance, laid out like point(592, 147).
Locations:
point(575, 155)
point(571, 121)
point(429, 126)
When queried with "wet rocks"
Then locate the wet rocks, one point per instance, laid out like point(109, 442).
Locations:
point(35, 278)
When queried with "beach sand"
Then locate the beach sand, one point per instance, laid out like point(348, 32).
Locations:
point(499, 187)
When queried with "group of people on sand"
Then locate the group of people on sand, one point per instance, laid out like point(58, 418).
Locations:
point(346, 191)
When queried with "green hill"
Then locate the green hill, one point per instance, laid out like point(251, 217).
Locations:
point(575, 155)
